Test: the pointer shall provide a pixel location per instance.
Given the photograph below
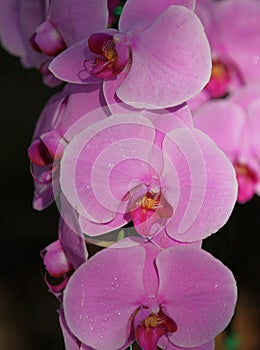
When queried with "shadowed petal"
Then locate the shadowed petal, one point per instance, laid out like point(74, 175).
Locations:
point(78, 19)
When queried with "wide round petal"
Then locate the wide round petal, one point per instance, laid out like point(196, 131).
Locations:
point(138, 16)
point(199, 183)
point(197, 291)
point(78, 19)
point(102, 296)
point(172, 56)
point(85, 170)
point(224, 122)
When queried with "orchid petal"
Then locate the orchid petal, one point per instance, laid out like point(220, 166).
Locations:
point(241, 39)
point(200, 300)
point(69, 65)
point(100, 301)
point(83, 18)
point(224, 122)
point(83, 153)
point(138, 16)
point(179, 65)
point(165, 344)
point(206, 180)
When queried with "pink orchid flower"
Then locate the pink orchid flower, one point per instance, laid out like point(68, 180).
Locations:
point(234, 124)
point(165, 300)
point(235, 45)
point(152, 169)
point(63, 116)
point(160, 47)
point(38, 30)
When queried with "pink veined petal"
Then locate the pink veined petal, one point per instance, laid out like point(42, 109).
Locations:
point(102, 296)
point(184, 180)
point(77, 181)
point(138, 16)
point(69, 65)
point(199, 210)
point(77, 20)
point(200, 300)
point(224, 122)
point(179, 61)
point(165, 344)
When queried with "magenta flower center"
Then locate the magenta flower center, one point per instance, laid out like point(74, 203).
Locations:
point(150, 330)
point(151, 201)
point(39, 154)
point(218, 85)
point(112, 57)
point(243, 170)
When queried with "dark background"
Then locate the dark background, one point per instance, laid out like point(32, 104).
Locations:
point(28, 319)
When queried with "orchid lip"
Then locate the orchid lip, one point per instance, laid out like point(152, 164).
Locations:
point(152, 328)
point(113, 55)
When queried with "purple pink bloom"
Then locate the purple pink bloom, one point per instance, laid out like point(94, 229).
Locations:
point(234, 124)
point(152, 169)
point(159, 46)
point(38, 30)
point(165, 300)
